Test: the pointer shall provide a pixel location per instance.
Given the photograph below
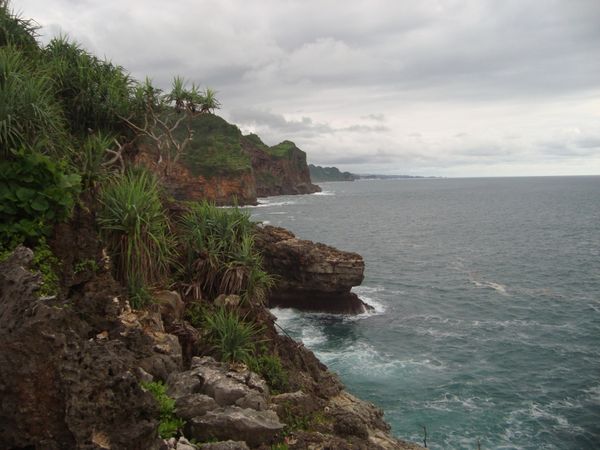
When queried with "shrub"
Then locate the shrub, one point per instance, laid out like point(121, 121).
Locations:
point(232, 337)
point(270, 368)
point(135, 228)
point(219, 255)
point(30, 116)
point(194, 314)
point(170, 424)
point(14, 30)
point(93, 92)
point(35, 193)
point(91, 157)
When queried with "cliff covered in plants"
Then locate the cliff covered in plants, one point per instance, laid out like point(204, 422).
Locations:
point(222, 165)
point(132, 311)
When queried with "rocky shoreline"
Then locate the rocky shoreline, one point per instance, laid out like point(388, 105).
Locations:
point(73, 368)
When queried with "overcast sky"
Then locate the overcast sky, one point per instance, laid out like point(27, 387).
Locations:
point(422, 87)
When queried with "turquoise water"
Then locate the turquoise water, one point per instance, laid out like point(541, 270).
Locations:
point(487, 296)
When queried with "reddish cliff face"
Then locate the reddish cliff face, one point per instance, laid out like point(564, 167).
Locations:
point(279, 170)
point(239, 187)
point(224, 166)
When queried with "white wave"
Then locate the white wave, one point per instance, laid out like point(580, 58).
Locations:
point(437, 334)
point(265, 202)
point(539, 413)
point(449, 402)
point(491, 285)
point(369, 295)
point(325, 193)
point(594, 394)
point(596, 308)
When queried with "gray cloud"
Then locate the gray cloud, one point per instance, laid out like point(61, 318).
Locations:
point(436, 84)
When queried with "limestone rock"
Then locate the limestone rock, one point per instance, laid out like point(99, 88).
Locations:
point(297, 403)
point(357, 418)
point(225, 445)
point(227, 300)
point(311, 276)
point(171, 305)
point(184, 444)
point(193, 405)
point(225, 386)
point(233, 422)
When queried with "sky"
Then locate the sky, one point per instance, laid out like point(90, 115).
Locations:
point(430, 87)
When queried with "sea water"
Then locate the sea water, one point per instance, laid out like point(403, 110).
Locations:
point(486, 326)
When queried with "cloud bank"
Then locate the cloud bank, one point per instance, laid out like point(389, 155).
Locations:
point(455, 87)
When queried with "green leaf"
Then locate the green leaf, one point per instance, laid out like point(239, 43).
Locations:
point(25, 194)
point(40, 204)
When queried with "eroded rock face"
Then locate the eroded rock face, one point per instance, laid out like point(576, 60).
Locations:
point(67, 370)
point(185, 185)
point(312, 276)
point(279, 176)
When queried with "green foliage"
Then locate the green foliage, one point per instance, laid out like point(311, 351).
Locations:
point(283, 150)
point(308, 422)
point(90, 160)
point(30, 116)
point(170, 424)
point(219, 255)
point(134, 225)
point(165, 119)
point(256, 141)
point(318, 173)
point(270, 368)
point(47, 264)
point(35, 193)
point(231, 335)
point(215, 148)
point(94, 93)
point(86, 265)
point(194, 314)
point(14, 30)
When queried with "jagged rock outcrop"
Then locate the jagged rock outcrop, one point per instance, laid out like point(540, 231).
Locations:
point(225, 404)
point(311, 276)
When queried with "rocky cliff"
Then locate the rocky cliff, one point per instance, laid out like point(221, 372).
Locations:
point(278, 170)
point(311, 276)
point(73, 369)
point(226, 167)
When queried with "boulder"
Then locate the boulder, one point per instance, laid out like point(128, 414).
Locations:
point(355, 418)
point(310, 276)
point(296, 403)
point(171, 305)
point(226, 387)
point(193, 405)
point(233, 422)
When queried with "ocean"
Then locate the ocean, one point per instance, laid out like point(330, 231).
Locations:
point(486, 326)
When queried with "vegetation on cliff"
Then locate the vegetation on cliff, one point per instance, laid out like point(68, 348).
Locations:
point(318, 173)
point(108, 236)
